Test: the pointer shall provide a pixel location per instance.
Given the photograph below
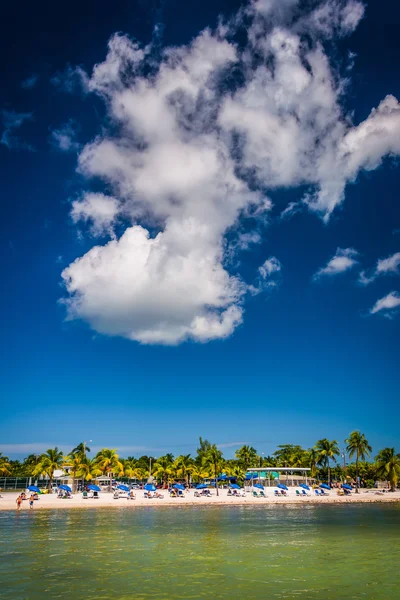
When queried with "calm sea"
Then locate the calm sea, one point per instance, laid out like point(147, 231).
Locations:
point(291, 552)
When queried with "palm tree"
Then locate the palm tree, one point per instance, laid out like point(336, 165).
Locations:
point(199, 472)
point(109, 463)
point(81, 449)
point(89, 469)
point(204, 446)
point(49, 462)
point(312, 459)
point(4, 465)
point(247, 456)
point(163, 468)
point(357, 444)
point(388, 466)
point(213, 459)
point(326, 451)
point(183, 466)
point(74, 462)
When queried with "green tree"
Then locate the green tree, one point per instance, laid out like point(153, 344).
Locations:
point(247, 456)
point(163, 468)
point(88, 469)
point(326, 451)
point(49, 462)
point(81, 449)
point(358, 445)
point(204, 446)
point(183, 466)
point(74, 462)
point(388, 466)
point(214, 460)
point(5, 467)
point(109, 463)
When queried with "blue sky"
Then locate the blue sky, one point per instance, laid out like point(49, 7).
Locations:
point(206, 310)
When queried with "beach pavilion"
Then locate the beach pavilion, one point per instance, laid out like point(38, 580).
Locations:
point(291, 476)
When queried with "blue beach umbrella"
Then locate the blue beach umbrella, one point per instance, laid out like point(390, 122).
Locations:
point(149, 487)
point(325, 486)
point(33, 488)
point(122, 487)
point(94, 488)
point(259, 486)
point(235, 486)
point(282, 486)
point(201, 486)
point(346, 486)
point(65, 487)
point(178, 486)
point(305, 486)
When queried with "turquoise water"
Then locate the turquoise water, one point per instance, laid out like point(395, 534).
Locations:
point(311, 552)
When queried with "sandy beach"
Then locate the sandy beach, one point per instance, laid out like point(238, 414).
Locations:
point(8, 500)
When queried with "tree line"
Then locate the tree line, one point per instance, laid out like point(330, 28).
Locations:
point(323, 459)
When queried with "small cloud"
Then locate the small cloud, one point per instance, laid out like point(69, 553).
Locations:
point(72, 80)
point(384, 266)
point(388, 303)
point(266, 276)
point(100, 210)
point(292, 209)
point(344, 260)
point(64, 139)
point(29, 82)
point(13, 121)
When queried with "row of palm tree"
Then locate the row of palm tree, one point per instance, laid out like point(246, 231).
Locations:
point(209, 462)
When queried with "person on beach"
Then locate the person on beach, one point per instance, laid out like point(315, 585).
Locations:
point(19, 502)
point(31, 499)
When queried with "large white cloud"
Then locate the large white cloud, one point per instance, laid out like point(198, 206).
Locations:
point(193, 145)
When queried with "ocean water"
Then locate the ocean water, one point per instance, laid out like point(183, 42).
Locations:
point(291, 552)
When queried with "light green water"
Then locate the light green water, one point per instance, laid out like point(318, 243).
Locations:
point(291, 552)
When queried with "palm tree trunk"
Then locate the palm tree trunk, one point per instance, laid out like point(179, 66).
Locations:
point(329, 474)
point(216, 482)
point(357, 473)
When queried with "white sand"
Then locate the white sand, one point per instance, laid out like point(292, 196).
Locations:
point(8, 500)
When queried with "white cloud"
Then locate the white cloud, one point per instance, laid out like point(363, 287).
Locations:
point(388, 303)
point(344, 260)
point(29, 82)
point(384, 266)
point(388, 265)
point(65, 138)
point(72, 80)
point(187, 156)
point(270, 266)
point(12, 121)
point(99, 210)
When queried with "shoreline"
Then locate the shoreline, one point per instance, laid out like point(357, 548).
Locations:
point(106, 500)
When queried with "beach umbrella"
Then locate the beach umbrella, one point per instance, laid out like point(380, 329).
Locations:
point(178, 486)
point(305, 486)
point(149, 487)
point(65, 487)
point(201, 486)
point(325, 486)
point(122, 487)
point(94, 488)
point(235, 486)
point(33, 488)
point(259, 486)
point(346, 486)
point(282, 486)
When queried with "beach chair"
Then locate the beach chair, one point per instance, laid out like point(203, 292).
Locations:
point(298, 493)
point(277, 494)
point(283, 493)
point(304, 493)
point(317, 493)
point(323, 493)
point(262, 494)
point(96, 495)
point(255, 495)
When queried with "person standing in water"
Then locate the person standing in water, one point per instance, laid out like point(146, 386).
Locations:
point(31, 499)
point(19, 502)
